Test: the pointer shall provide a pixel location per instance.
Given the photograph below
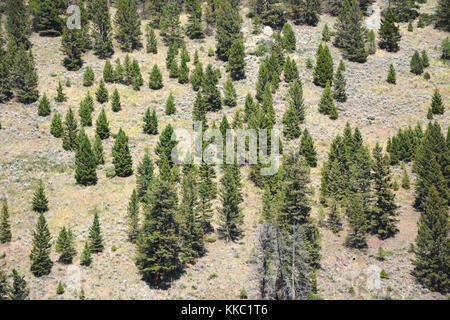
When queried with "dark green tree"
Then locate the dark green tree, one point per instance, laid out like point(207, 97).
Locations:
point(85, 112)
point(307, 149)
point(72, 44)
point(5, 226)
point(236, 63)
point(389, 32)
point(108, 72)
point(152, 42)
point(88, 77)
point(195, 29)
point(56, 127)
point(339, 84)
point(183, 72)
point(197, 77)
point(289, 40)
point(323, 71)
point(25, 78)
point(211, 93)
point(102, 126)
point(133, 217)
point(144, 175)
point(291, 123)
point(443, 15)
point(19, 289)
point(326, 105)
point(326, 33)
point(47, 20)
point(290, 70)
point(65, 245)
point(295, 98)
point(98, 151)
point(128, 25)
point(170, 105)
point(86, 258)
point(41, 264)
point(170, 24)
point(150, 122)
point(85, 162)
point(228, 24)
point(416, 65)
point(101, 94)
point(115, 101)
point(437, 106)
point(230, 94)
point(359, 224)
point(44, 106)
point(60, 95)
point(17, 22)
point(155, 81)
point(199, 111)
point(122, 160)
point(70, 131)
point(95, 235)
point(102, 29)
point(391, 77)
point(40, 201)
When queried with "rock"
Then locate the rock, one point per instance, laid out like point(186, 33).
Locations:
point(268, 31)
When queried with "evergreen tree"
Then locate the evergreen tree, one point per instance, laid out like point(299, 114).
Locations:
point(183, 72)
point(170, 105)
point(405, 178)
point(405, 10)
point(60, 95)
point(44, 106)
point(102, 126)
point(359, 226)
point(41, 264)
point(25, 78)
point(144, 176)
point(231, 217)
point(295, 98)
point(389, 32)
point(157, 256)
point(443, 15)
point(170, 24)
point(289, 40)
point(150, 122)
point(334, 218)
point(165, 144)
point(95, 235)
point(230, 94)
point(385, 209)
point(197, 77)
point(323, 70)
point(17, 22)
point(119, 72)
point(70, 131)
point(236, 63)
point(115, 101)
point(152, 42)
point(210, 91)
point(85, 162)
point(56, 127)
point(307, 149)
point(437, 106)
point(72, 44)
point(128, 25)
point(19, 289)
point(392, 77)
point(65, 245)
point(350, 32)
point(249, 108)
point(371, 42)
point(194, 29)
point(339, 84)
point(40, 201)
point(47, 20)
point(416, 65)
point(155, 9)
point(136, 76)
point(99, 154)
point(5, 226)
point(326, 105)
point(5, 73)
point(102, 93)
point(425, 60)
point(122, 160)
point(85, 112)
point(102, 29)
point(85, 27)
point(133, 217)
point(86, 258)
point(198, 111)
point(108, 72)
point(60, 288)
point(432, 249)
point(88, 77)
point(326, 33)
point(291, 123)
point(228, 24)
point(155, 81)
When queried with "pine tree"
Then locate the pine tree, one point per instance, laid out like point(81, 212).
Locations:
point(102, 29)
point(425, 60)
point(85, 162)
point(41, 264)
point(155, 81)
point(236, 63)
point(40, 201)
point(44, 106)
point(47, 20)
point(326, 33)
point(152, 42)
point(307, 149)
point(85, 27)
point(5, 73)
point(197, 77)
point(443, 15)
point(210, 91)
point(19, 289)
point(289, 40)
point(291, 123)
point(339, 84)
point(88, 77)
point(60, 288)
point(416, 65)
point(183, 72)
point(25, 78)
point(72, 44)
point(133, 217)
point(170, 24)
point(60, 95)
point(128, 25)
point(432, 249)
point(290, 70)
point(56, 127)
point(359, 225)
point(198, 111)
point(119, 72)
point(108, 72)
point(150, 122)
point(385, 209)
point(86, 258)
point(437, 106)
point(405, 178)
point(70, 131)
point(194, 29)
point(392, 77)
point(228, 25)
point(295, 98)
point(170, 105)
point(65, 245)
point(350, 32)
point(122, 160)
point(144, 176)
point(95, 235)
point(157, 256)
point(230, 94)
point(97, 148)
point(136, 77)
point(102, 93)
point(172, 54)
point(334, 218)
point(326, 105)
point(389, 32)
point(323, 70)
point(371, 42)
point(17, 22)
point(5, 226)
point(405, 10)
point(249, 108)
point(85, 112)
point(115, 101)
point(231, 217)
point(102, 126)
point(155, 9)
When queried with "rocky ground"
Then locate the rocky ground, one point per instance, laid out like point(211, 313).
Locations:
point(30, 153)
